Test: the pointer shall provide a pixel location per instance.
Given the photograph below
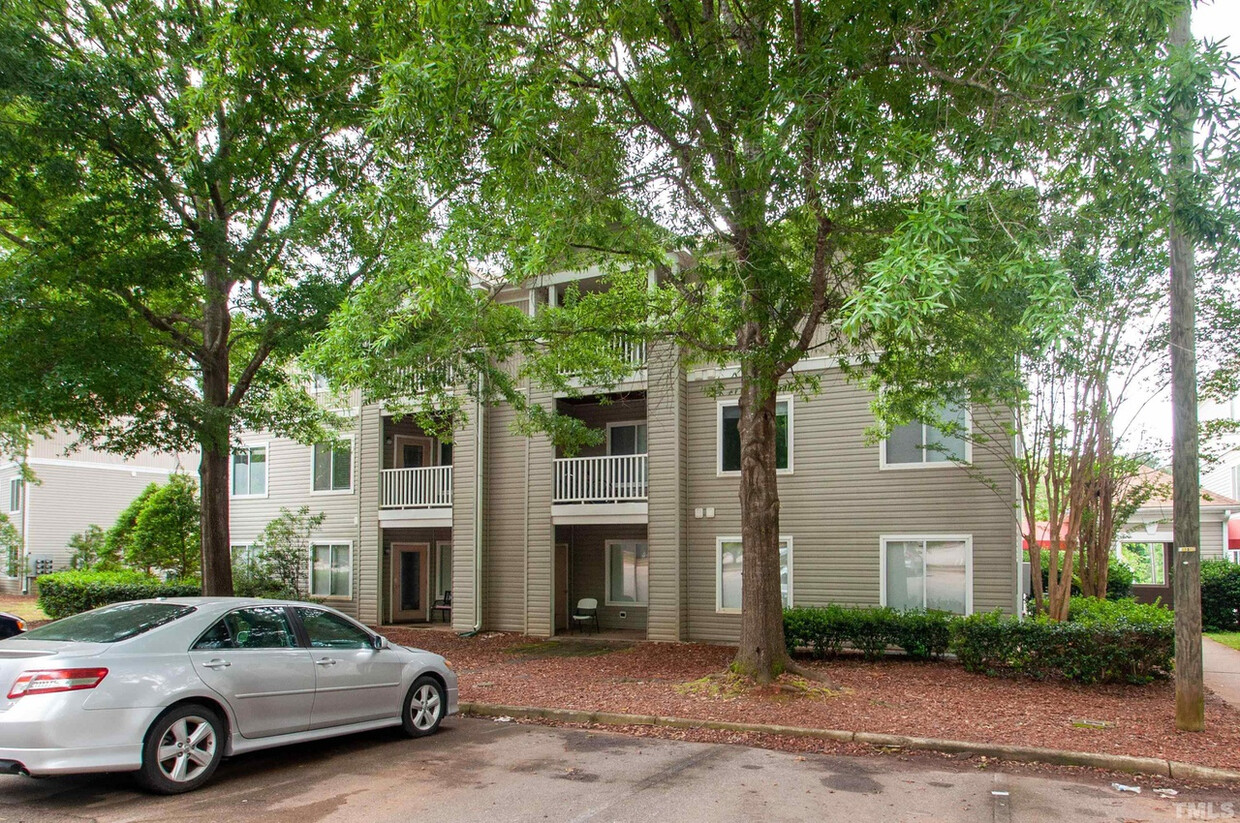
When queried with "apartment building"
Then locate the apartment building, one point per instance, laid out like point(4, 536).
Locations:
point(72, 488)
point(648, 522)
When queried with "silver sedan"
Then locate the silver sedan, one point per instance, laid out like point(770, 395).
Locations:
point(166, 688)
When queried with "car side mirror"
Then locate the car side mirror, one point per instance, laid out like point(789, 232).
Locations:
point(379, 643)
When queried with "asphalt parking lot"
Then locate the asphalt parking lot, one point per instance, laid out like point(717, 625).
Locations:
point(481, 770)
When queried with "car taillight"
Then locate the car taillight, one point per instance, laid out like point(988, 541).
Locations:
point(46, 681)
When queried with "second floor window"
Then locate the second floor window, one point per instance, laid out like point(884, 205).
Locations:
point(626, 438)
point(730, 436)
point(921, 444)
point(333, 466)
point(249, 471)
point(15, 494)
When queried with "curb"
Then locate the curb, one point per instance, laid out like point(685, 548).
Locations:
point(1026, 754)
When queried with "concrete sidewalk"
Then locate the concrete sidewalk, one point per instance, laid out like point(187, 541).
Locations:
point(1221, 665)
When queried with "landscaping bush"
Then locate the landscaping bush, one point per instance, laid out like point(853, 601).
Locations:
point(1220, 595)
point(825, 630)
point(65, 593)
point(1102, 641)
point(1120, 577)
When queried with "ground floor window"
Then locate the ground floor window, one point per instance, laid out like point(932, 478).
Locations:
point(331, 571)
point(628, 573)
point(729, 556)
point(1147, 561)
point(928, 573)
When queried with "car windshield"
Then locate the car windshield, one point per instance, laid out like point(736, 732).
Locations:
point(110, 623)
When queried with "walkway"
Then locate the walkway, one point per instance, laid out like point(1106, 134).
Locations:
point(1222, 670)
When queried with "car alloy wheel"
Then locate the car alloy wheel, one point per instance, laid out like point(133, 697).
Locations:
point(182, 750)
point(424, 707)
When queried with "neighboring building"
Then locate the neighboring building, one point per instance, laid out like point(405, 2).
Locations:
point(72, 490)
point(1147, 540)
point(648, 523)
point(1223, 477)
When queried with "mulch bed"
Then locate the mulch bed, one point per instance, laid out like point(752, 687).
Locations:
point(895, 696)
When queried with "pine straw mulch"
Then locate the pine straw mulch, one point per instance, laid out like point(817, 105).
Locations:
point(894, 696)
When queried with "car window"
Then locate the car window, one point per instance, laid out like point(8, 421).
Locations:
point(260, 627)
point(216, 637)
point(110, 624)
point(331, 631)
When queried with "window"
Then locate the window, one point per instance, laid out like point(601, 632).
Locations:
point(332, 466)
point(728, 562)
point(246, 556)
point(1147, 561)
point(331, 631)
point(932, 573)
point(626, 438)
point(730, 436)
point(920, 444)
point(628, 573)
point(15, 494)
point(443, 569)
point(331, 572)
point(445, 454)
point(249, 471)
point(260, 627)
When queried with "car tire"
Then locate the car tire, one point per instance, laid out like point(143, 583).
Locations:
point(424, 708)
point(182, 749)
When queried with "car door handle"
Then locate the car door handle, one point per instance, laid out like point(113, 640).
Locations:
point(217, 664)
point(326, 661)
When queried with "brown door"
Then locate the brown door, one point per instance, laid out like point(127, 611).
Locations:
point(411, 597)
point(561, 587)
point(413, 452)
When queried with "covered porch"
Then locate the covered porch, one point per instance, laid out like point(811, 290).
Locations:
point(608, 563)
point(416, 576)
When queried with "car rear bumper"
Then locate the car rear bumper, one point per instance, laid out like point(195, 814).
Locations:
point(51, 734)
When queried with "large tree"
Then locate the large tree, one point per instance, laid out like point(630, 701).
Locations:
point(830, 169)
point(177, 183)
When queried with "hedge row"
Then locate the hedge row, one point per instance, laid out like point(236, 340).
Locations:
point(65, 593)
point(1220, 596)
point(1102, 641)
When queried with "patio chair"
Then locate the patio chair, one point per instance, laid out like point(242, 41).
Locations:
point(586, 612)
point(443, 606)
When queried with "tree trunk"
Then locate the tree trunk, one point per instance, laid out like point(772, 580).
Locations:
point(213, 517)
point(1186, 494)
point(762, 653)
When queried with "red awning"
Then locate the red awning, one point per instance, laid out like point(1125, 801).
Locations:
point(1233, 533)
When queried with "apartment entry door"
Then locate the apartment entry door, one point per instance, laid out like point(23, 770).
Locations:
point(410, 582)
point(413, 452)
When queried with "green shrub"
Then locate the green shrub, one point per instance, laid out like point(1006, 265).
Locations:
point(1102, 641)
point(871, 631)
point(1220, 595)
point(1120, 577)
point(65, 593)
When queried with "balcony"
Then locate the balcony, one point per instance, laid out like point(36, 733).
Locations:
point(417, 496)
point(611, 489)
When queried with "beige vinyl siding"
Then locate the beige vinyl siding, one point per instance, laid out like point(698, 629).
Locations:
point(667, 615)
point(504, 553)
point(289, 485)
point(539, 532)
point(69, 497)
point(836, 506)
point(1211, 538)
point(59, 446)
point(367, 445)
point(464, 453)
point(587, 575)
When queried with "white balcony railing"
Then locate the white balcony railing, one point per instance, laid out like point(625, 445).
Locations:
point(424, 488)
point(632, 352)
point(614, 479)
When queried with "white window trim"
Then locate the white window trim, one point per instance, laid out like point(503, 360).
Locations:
point(1153, 539)
point(967, 539)
point(352, 469)
point(21, 494)
point(430, 443)
point(779, 398)
point(883, 465)
point(266, 446)
point(316, 542)
point(622, 423)
point(623, 604)
point(719, 541)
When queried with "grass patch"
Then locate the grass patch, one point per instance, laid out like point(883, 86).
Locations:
point(1226, 638)
point(25, 607)
point(565, 648)
point(730, 685)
